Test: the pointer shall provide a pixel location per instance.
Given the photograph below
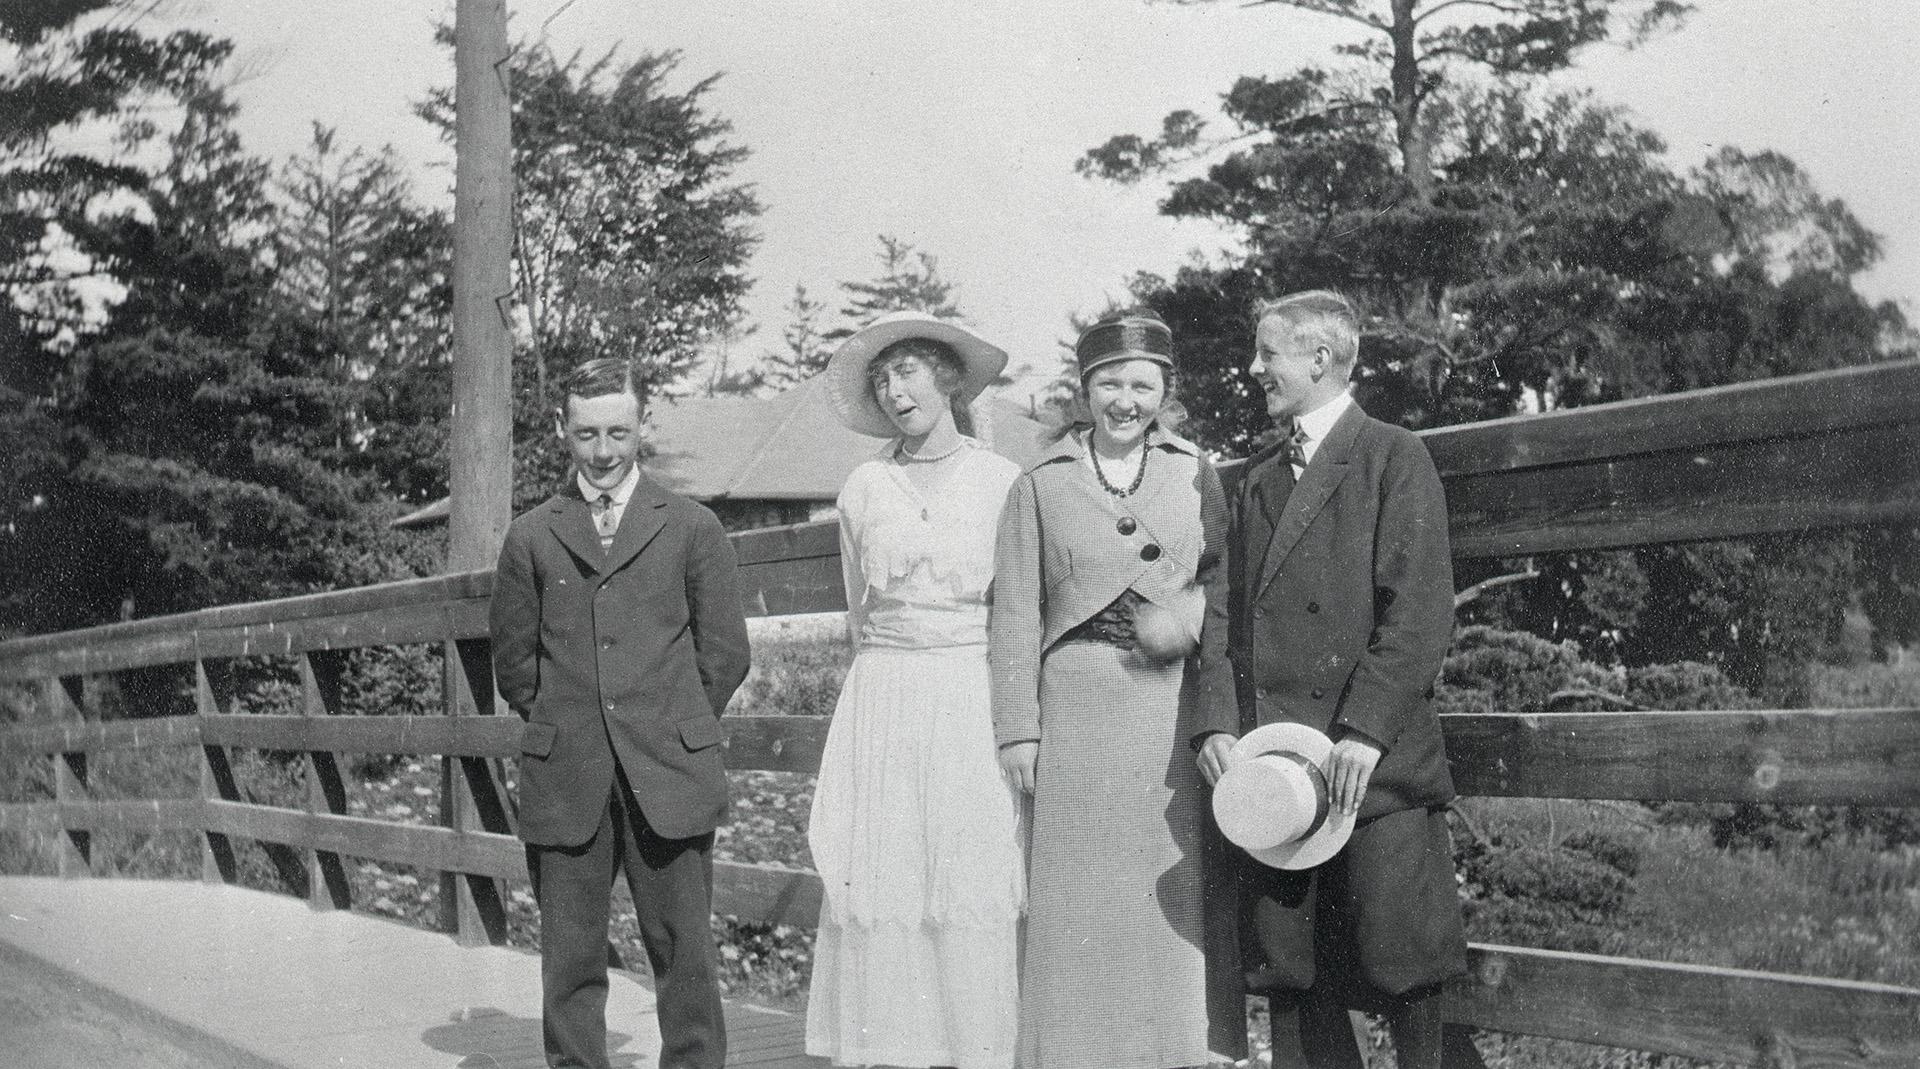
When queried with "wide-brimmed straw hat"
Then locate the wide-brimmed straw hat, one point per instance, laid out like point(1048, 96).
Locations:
point(1272, 800)
point(849, 391)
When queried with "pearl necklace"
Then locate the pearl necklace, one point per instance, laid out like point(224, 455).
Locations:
point(1139, 475)
point(909, 457)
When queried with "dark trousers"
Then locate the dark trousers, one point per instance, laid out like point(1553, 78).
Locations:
point(1377, 927)
point(672, 885)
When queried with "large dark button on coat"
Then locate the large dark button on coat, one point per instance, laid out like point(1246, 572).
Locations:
point(1149, 552)
point(1313, 606)
point(1126, 526)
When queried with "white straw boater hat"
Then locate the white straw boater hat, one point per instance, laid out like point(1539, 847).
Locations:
point(1272, 800)
point(849, 393)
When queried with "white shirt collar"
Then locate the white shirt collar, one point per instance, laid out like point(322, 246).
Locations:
point(1320, 421)
point(1317, 424)
point(620, 493)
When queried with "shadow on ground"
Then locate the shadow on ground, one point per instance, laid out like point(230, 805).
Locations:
point(486, 1038)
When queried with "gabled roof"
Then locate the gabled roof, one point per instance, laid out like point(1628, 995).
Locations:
point(787, 447)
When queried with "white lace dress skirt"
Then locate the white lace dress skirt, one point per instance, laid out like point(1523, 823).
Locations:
point(917, 839)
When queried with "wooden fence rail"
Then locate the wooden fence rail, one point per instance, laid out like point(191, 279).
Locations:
point(1820, 450)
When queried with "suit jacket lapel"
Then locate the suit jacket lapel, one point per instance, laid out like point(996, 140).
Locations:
point(1316, 484)
point(571, 520)
point(645, 515)
point(1249, 555)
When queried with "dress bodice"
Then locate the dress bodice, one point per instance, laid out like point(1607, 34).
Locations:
point(918, 563)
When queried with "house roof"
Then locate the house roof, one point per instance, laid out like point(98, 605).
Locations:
point(788, 447)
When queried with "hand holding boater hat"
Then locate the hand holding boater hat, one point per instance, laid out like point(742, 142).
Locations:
point(1274, 801)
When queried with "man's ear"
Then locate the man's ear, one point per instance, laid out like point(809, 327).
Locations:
point(1322, 362)
point(560, 422)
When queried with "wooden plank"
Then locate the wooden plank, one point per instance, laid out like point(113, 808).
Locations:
point(218, 864)
point(320, 676)
point(798, 541)
point(1790, 406)
point(406, 592)
point(112, 652)
point(784, 588)
point(1694, 1011)
point(1855, 476)
point(472, 795)
point(61, 700)
point(81, 737)
point(766, 894)
point(139, 815)
point(477, 737)
point(1793, 757)
point(775, 743)
point(480, 853)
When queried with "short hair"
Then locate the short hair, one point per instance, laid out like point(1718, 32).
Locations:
point(598, 378)
point(1322, 317)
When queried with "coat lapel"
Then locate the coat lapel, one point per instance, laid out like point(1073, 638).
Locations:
point(1317, 483)
point(571, 521)
point(645, 515)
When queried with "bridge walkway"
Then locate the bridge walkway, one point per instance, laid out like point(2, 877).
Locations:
point(261, 981)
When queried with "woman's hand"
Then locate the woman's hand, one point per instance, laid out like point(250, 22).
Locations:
point(1017, 763)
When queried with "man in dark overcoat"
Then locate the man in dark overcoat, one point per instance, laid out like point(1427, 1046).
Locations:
point(1341, 611)
point(618, 638)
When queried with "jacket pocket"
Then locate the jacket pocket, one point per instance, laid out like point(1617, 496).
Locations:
point(536, 738)
point(700, 732)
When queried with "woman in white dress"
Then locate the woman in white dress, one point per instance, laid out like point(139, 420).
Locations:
point(914, 830)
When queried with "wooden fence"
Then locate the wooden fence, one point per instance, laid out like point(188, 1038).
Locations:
point(1819, 450)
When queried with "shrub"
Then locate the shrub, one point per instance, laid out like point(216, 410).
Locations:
point(1685, 685)
point(1491, 670)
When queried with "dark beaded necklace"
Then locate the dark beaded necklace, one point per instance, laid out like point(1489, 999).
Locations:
point(1138, 476)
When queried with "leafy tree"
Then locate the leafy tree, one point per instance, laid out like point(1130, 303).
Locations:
point(632, 238)
point(175, 445)
point(1516, 249)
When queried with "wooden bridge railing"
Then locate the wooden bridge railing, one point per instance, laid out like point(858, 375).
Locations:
point(1788, 454)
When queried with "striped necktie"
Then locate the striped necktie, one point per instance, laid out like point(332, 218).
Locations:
point(605, 520)
point(1297, 445)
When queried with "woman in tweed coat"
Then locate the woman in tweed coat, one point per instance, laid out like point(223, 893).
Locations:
point(1108, 574)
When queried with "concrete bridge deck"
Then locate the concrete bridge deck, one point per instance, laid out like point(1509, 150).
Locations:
point(260, 981)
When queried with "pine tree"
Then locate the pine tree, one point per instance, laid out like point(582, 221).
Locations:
point(179, 443)
point(1515, 248)
point(632, 237)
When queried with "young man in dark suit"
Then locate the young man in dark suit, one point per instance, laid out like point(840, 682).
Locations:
point(618, 637)
point(1341, 611)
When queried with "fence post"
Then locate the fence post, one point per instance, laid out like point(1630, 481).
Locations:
point(320, 672)
point(63, 698)
point(471, 798)
point(217, 863)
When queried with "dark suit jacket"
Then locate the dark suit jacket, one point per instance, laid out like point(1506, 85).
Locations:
point(1341, 618)
point(629, 654)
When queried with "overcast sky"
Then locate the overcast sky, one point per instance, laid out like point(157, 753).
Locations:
point(955, 125)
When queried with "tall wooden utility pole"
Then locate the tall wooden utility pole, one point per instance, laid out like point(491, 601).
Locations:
point(482, 447)
point(471, 794)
